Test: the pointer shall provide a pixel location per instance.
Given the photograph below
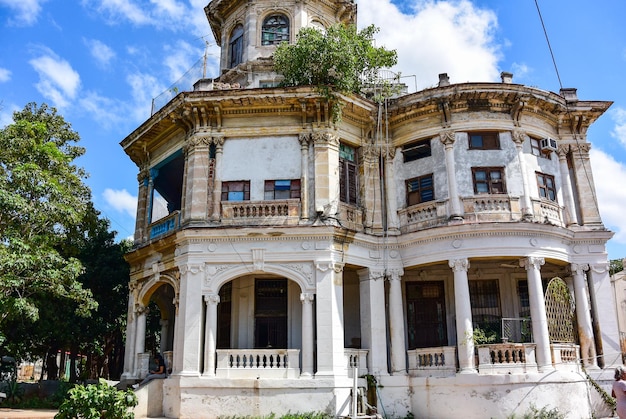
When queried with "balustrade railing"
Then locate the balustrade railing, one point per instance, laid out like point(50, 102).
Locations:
point(549, 212)
point(507, 358)
point(438, 361)
point(276, 212)
point(262, 363)
point(165, 225)
point(491, 208)
point(426, 215)
point(566, 356)
point(356, 358)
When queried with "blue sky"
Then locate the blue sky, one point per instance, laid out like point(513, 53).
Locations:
point(101, 63)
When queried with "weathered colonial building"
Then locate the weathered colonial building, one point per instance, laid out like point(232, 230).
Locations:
point(448, 244)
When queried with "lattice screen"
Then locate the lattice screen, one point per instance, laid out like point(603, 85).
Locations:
point(560, 312)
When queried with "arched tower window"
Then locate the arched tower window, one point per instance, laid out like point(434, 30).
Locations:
point(275, 30)
point(235, 47)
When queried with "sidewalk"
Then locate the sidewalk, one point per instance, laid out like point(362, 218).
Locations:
point(26, 414)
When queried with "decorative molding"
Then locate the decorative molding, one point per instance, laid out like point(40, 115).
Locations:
point(258, 259)
point(191, 268)
point(303, 269)
point(532, 262)
point(459, 265)
point(518, 136)
point(307, 297)
point(325, 266)
point(211, 299)
point(447, 138)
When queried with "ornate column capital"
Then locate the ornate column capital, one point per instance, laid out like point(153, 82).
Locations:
point(395, 274)
point(211, 299)
point(325, 138)
point(304, 138)
point(518, 137)
point(579, 268)
point(447, 138)
point(459, 265)
point(532, 262)
point(307, 297)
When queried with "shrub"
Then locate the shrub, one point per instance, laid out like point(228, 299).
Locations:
point(96, 401)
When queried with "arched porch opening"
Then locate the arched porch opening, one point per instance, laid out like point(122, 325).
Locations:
point(160, 315)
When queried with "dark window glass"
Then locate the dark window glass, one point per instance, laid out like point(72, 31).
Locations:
point(236, 190)
point(236, 46)
point(282, 189)
point(416, 151)
point(489, 180)
point(546, 185)
point(348, 185)
point(484, 141)
point(420, 189)
point(426, 314)
point(486, 311)
point(275, 30)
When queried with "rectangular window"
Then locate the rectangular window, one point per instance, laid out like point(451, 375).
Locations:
point(488, 180)
point(417, 150)
point(535, 148)
point(426, 314)
point(484, 141)
point(282, 189)
point(486, 311)
point(236, 190)
point(420, 189)
point(348, 185)
point(546, 185)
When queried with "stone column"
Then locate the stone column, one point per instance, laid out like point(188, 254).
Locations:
point(331, 359)
point(527, 207)
point(396, 323)
point(455, 209)
point(371, 188)
point(373, 319)
point(217, 184)
point(164, 329)
point(604, 316)
point(589, 210)
point(539, 318)
point(140, 334)
point(304, 179)
point(463, 311)
point(189, 320)
point(129, 352)
point(143, 198)
point(326, 146)
point(210, 334)
point(583, 316)
point(393, 222)
point(308, 340)
point(571, 217)
point(196, 176)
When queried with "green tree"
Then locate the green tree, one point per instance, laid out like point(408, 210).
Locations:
point(42, 197)
point(341, 60)
point(615, 266)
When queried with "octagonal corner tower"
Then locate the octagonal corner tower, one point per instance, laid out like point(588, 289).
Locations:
point(248, 31)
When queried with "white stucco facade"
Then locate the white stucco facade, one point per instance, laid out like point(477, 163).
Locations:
point(296, 249)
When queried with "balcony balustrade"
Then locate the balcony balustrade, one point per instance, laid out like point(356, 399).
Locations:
point(438, 361)
point(356, 358)
point(165, 225)
point(258, 363)
point(507, 358)
point(276, 212)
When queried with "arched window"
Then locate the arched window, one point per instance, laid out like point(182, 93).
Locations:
point(275, 30)
point(235, 47)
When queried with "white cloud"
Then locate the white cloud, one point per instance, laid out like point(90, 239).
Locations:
point(179, 58)
point(57, 79)
point(101, 52)
point(454, 37)
point(5, 75)
point(611, 197)
point(26, 11)
point(619, 132)
point(144, 87)
point(115, 10)
point(121, 200)
point(6, 114)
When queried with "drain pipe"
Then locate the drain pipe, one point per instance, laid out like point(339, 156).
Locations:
point(355, 370)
